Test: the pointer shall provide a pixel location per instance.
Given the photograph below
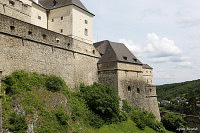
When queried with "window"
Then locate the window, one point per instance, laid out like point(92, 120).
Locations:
point(86, 22)
point(68, 44)
point(150, 90)
point(57, 40)
point(93, 51)
point(61, 30)
point(129, 88)
point(86, 32)
point(44, 36)
point(138, 90)
point(61, 18)
point(135, 60)
point(39, 17)
point(52, 20)
point(12, 3)
point(125, 58)
point(30, 32)
point(12, 27)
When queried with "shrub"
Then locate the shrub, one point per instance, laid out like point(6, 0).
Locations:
point(17, 123)
point(145, 118)
point(62, 117)
point(123, 116)
point(102, 100)
point(171, 121)
point(20, 81)
point(125, 106)
point(138, 117)
point(95, 120)
point(140, 124)
point(157, 126)
point(16, 82)
point(54, 83)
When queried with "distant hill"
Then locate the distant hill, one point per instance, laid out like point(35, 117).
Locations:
point(171, 91)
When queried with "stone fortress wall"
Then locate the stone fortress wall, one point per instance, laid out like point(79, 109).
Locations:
point(130, 84)
point(28, 47)
point(24, 46)
point(16, 9)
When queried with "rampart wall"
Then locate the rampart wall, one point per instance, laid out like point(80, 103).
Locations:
point(16, 9)
point(24, 46)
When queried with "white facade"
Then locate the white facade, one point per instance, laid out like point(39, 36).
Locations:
point(60, 20)
point(72, 21)
point(38, 16)
point(68, 20)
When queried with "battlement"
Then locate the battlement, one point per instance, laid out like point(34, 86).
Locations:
point(26, 31)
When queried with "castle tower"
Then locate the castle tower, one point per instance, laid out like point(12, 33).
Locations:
point(70, 18)
point(148, 74)
point(119, 68)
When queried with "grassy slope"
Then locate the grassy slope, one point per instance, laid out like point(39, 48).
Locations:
point(40, 105)
point(171, 91)
point(123, 127)
point(44, 97)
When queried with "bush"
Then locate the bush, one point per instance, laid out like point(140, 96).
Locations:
point(157, 126)
point(17, 123)
point(102, 100)
point(126, 107)
point(138, 117)
point(140, 124)
point(171, 121)
point(62, 117)
point(20, 81)
point(16, 82)
point(54, 83)
point(95, 120)
point(145, 118)
point(123, 116)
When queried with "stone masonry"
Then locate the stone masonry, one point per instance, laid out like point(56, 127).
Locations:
point(24, 46)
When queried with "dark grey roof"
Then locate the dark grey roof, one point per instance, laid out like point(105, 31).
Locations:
point(146, 66)
point(52, 4)
point(112, 51)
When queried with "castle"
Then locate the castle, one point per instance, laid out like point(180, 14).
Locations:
point(55, 37)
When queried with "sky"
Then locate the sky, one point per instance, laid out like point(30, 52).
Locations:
point(162, 33)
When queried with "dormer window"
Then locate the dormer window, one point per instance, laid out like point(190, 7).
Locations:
point(12, 3)
point(135, 60)
point(125, 58)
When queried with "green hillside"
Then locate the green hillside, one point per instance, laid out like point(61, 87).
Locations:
point(171, 91)
point(43, 103)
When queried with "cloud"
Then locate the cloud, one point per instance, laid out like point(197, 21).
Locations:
point(158, 50)
point(185, 64)
point(189, 22)
point(153, 12)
